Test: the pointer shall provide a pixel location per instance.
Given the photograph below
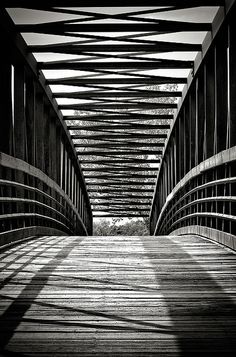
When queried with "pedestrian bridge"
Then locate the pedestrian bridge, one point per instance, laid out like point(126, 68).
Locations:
point(122, 110)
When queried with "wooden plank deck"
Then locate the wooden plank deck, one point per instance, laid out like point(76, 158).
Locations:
point(118, 296)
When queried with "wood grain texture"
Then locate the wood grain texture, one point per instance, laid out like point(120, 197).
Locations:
point(118, 296)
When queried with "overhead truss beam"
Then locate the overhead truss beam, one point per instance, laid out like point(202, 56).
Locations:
point(141, 94)
point(120, 169)
point(158, 64)
point(160, 26)
point(80, 49)
point(115, 55)
point(102, 3)
point(76, 81)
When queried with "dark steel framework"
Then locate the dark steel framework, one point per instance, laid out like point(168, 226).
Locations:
point(196, 187)
point(105, 74)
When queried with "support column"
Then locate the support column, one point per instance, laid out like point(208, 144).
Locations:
point(232, 83)
point(221, 92)
point(210, 104)
point(6, 107)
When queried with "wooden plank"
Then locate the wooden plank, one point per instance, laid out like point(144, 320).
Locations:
point(119, 296)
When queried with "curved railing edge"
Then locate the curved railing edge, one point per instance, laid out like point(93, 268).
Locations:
point(18, 164)
point(221, 158)
point(21, 235)
point(226, 239)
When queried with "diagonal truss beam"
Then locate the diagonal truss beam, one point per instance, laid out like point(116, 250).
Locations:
point(118, 106)
point(114, 70)
point(118, 145)
point(118, 161)
point(80, 49)
point(160, 26)
point(76, 81)
point(103, 3)
point(134, 116)
point(119, 126)
point(158, 64)
point(114, 169)
point(119, 153)
point(115, 94)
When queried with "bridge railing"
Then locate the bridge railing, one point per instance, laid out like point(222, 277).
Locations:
point(196, 185)
point(42, 189)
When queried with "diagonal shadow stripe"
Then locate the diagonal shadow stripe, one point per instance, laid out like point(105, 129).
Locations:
point(19, 313)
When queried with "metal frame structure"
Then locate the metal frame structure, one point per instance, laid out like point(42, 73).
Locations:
point(195, 192)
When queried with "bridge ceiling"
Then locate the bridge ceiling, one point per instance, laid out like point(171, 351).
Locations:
point(117, 72)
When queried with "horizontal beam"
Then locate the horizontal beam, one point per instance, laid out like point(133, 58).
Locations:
point(118, 145)
point(119, 215)
point(119, 126)
point(121, 190)
point(92, 107)
point(102, 3)
point(130, 94)
point(158, 64)
point(160, 46)
point(131, 209)
point(121, 197)
point(120, 153)
point(112, 183)
point(138, 80)
point(160, 26)
point(133, 116)
point(105, 204)
point(104, 169)
point(118, 176)
point(124, 161)
point(119, 136)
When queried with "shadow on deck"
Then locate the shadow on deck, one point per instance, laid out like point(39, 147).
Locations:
point(118, 296)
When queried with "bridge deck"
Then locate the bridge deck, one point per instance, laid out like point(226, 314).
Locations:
point(117, 296)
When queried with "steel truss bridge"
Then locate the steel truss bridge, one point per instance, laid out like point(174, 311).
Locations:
point(117, 110)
